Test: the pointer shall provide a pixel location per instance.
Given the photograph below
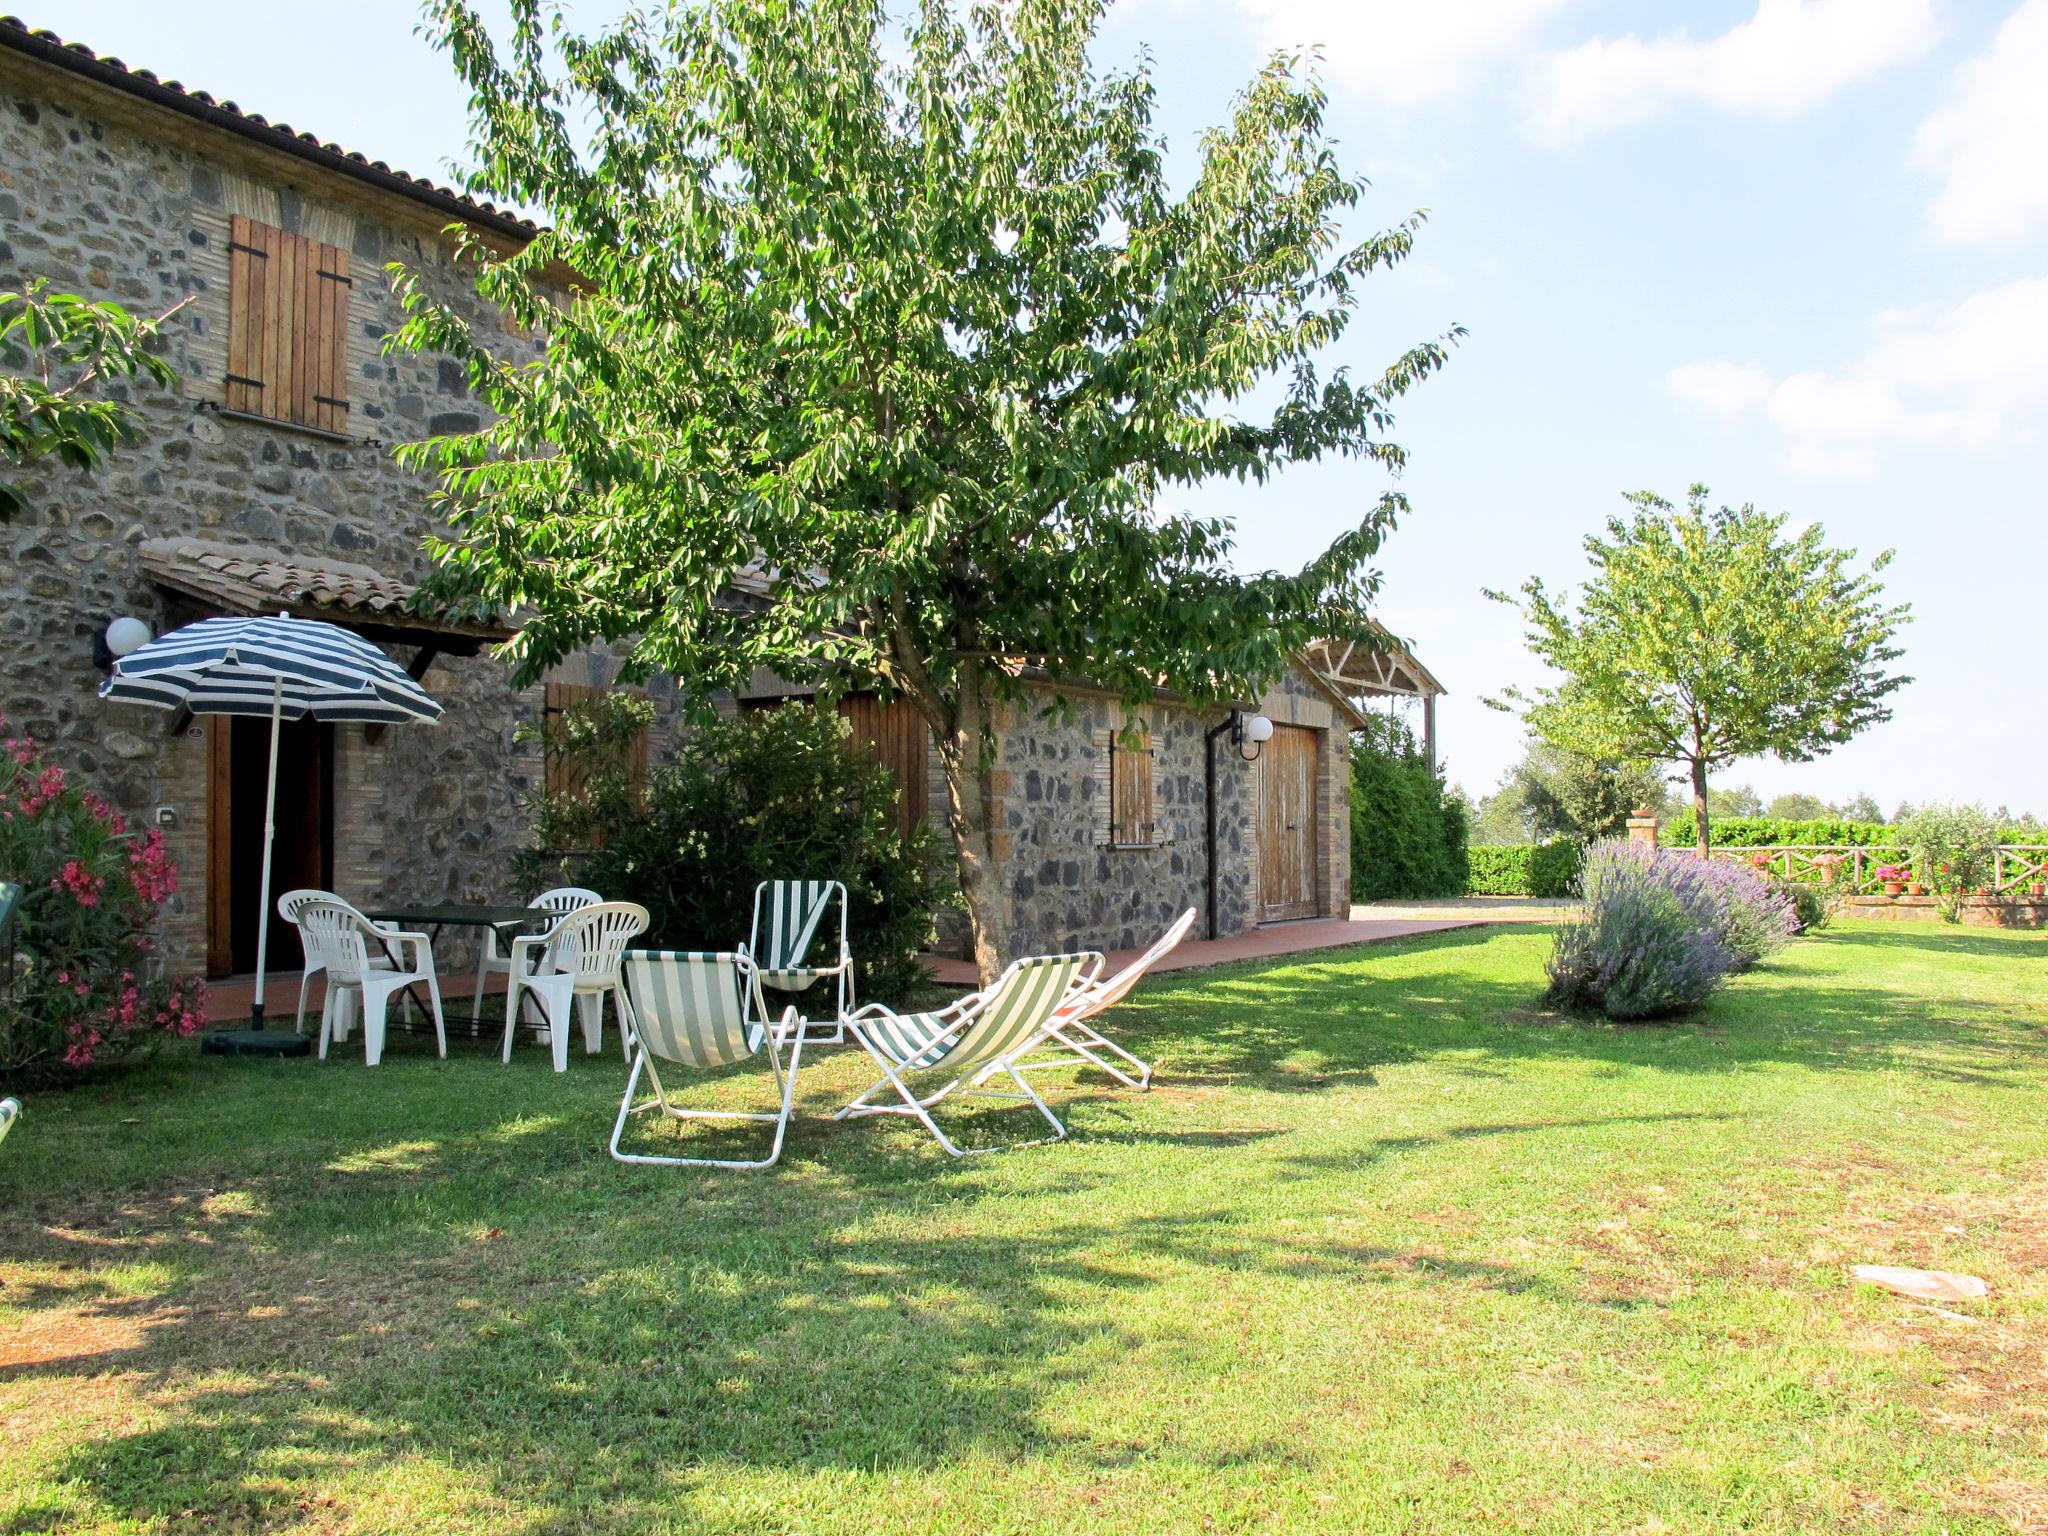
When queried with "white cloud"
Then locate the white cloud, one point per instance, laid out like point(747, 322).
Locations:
point(1965, 377)
point(1400, 52)
point(1788, 58)
point(1988, 142)
point(1722, 387)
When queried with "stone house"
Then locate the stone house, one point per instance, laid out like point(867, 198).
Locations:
point(265, 482)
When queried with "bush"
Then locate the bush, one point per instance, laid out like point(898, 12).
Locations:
point(1661, 930)
point(1954, 850)
point(777, 794)
point(1825, 831)
point(80, 984)
point(1549, 870)
point(1642, 948)
point(1407, 834)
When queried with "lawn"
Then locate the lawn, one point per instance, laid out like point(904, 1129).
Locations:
point(1388, 1249)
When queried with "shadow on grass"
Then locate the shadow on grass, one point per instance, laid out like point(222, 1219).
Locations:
point(436, 1261)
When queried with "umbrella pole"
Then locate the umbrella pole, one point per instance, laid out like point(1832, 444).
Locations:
point(269, 832)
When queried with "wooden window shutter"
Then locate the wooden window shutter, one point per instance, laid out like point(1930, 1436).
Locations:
point(287, 326)
point(894, 735)
point(1130, 788)
point(565, 776)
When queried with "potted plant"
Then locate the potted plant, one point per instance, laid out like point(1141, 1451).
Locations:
point(1892, 877)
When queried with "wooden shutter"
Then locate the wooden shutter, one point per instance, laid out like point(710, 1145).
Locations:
point(287, 326)
point(895, 736)
point(1130, 788)
point(566, 777)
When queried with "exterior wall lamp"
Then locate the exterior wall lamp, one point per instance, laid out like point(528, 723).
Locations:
point(1244, 731)
point(120, 638)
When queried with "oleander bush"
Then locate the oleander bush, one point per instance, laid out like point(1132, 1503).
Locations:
point(1955, 848)
point(80, 981)
point(779, 793)
point(1661, 930)
point(1549, 870)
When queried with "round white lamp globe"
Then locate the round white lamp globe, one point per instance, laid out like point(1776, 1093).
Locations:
point(1258, 728)
point(126, 635)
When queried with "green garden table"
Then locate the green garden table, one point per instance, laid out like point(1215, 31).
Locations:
point(507, 920)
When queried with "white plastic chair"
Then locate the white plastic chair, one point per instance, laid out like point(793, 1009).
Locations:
point(338, 940)
point(1068, 1036)
point(703, 1012)
point(494, 961)
point(574, 966)
point(288, 906)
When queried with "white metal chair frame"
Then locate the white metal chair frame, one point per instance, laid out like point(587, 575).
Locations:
point(574, 966)
point(755, 1035)
point(492, 960)
point(336, 938)
point(1068, 1036)
point(793, 924)
point(982, 1030)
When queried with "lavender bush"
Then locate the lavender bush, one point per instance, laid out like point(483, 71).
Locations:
point(1661, 930)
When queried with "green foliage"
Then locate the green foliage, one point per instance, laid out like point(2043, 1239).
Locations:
point(66, 344)
point(1954, 848)
point(1553, 793)
point(80, 985)
point(1769, 832)
point(1408, 833)
point(777, 794)
point(919, 332)
point(1707, 636)
point(1549, 870)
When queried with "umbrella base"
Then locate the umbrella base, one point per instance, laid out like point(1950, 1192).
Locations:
point(255, 1042)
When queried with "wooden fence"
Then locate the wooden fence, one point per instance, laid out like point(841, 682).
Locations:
point(2018, 870)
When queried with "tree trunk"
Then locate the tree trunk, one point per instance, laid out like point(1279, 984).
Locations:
point(970, 811)
point(1699, 807)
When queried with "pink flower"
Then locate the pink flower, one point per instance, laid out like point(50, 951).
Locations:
point(80, 883)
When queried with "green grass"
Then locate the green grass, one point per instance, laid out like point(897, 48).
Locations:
point(1388, 1249)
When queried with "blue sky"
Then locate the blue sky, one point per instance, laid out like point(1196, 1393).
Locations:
point(1797, 249)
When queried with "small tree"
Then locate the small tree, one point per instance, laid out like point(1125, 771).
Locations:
point(914, 335)
point(1955, 848)
point(1704, 637)
point(1584, 798)
point(66, 345)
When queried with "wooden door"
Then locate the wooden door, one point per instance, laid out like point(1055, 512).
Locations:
point(238, 772)
point(894, 735)
point(1287, 825)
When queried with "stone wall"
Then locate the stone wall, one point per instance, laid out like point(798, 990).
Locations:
point(113, 211)
point(1071, 890)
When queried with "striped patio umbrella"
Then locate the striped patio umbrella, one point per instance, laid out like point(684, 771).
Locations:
point(282, 667)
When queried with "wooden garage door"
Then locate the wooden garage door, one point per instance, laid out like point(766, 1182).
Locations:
point(1287, 825)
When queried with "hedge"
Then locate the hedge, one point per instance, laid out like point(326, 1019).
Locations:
point(1826, 831)
point(1407, 833)
point(1524, 869)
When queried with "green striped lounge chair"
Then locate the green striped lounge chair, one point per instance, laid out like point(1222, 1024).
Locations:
point(954, 1045)
point(1070, 1035)
point(785, 940)
point(10, 1111)
point(702, 1012)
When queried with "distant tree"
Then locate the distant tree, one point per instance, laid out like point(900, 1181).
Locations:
point(1742, 800)
point(917, 326)
point(1704, 637)
point(66, 347)
point(1859, 808)
point(1798, 807)
point(1583, 798)
point(1503, 816)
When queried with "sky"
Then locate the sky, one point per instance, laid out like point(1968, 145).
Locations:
point(1794, 249)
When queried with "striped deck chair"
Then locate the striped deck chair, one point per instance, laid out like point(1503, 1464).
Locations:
point(10, 1111)
point(984, 1029)
point(794, 911)
point(1069, 1036)
point(702, 1011)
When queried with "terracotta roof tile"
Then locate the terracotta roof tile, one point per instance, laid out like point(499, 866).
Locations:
point(41, 42)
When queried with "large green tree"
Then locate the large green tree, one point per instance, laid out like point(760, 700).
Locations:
point(1707, 636)
point(909, 328)
point(67, 347)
